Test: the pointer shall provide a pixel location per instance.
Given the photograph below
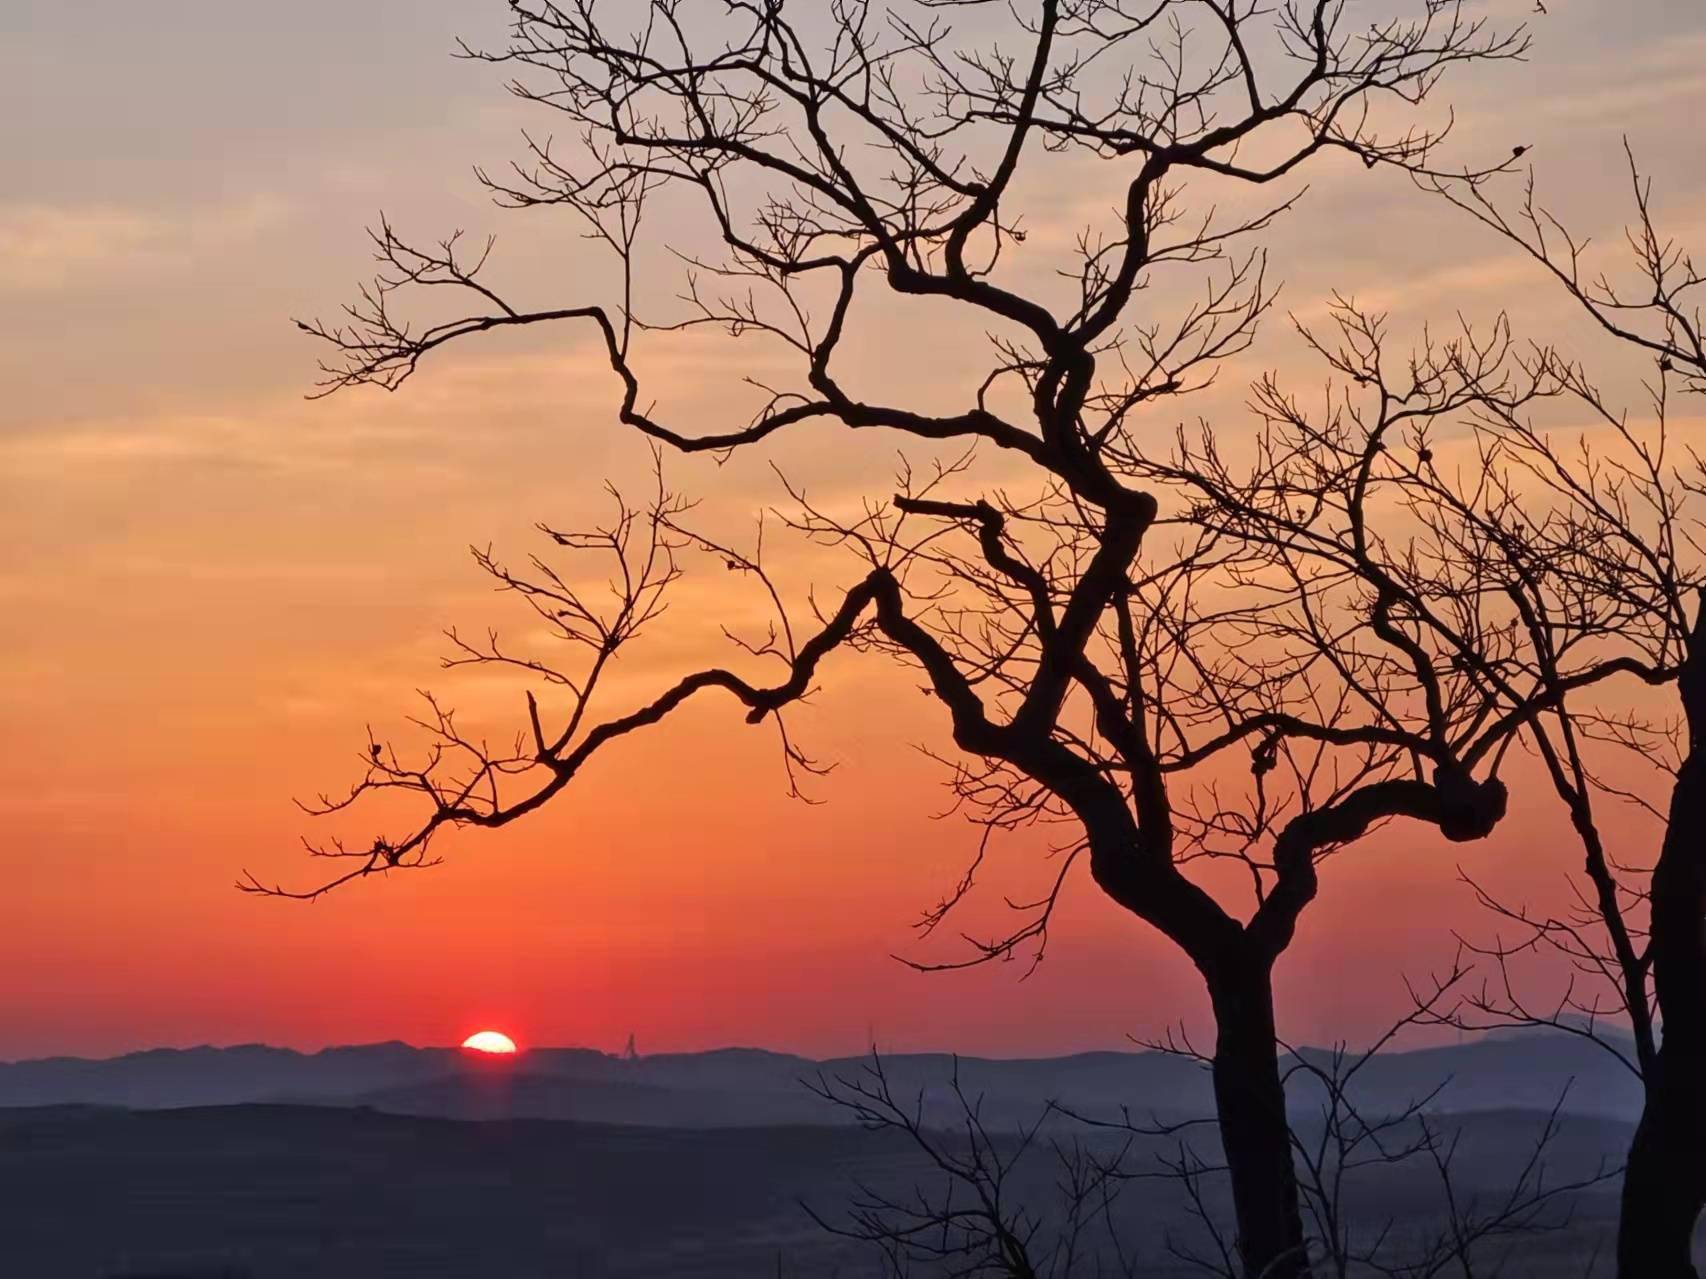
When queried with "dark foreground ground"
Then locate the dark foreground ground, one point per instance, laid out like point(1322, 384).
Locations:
point(274, 1191)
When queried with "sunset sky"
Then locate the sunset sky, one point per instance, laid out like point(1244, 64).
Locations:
point(211, 586)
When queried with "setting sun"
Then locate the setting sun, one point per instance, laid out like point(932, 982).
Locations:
point(489, 1041)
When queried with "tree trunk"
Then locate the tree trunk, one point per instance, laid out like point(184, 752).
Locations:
point(1253, 1128)
point(1664, 1186)
point(1661, 1190)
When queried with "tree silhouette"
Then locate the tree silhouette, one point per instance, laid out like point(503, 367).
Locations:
point(1500, 585)
point(1089, 639)
point(1557, 574)
point(1052, 1196)
point(972, 1216)
point(1617, 533)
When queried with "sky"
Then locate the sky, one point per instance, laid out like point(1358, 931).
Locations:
point(212, 585)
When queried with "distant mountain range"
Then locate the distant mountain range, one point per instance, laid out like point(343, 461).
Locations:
point(260, 1163)
point(750, 1087)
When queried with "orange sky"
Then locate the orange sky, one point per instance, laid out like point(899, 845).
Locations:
point(212, 586)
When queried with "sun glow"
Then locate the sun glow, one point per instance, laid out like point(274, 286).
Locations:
point(489, 1041)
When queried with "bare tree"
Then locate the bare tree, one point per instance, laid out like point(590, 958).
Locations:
point(1626, 537)
point(974, 1217)
point(1478, 1231)
point(1549, 577)
point(1080, 665)
point(1052, 1196)
point(1504, 587)
point(1553, 579)
point(1352, 1154)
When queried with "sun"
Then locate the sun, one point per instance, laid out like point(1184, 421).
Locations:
point(490, 1041)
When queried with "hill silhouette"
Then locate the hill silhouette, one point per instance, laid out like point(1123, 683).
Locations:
point(745, 1087)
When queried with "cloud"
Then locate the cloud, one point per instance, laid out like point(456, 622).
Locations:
point(507, 414)
point(46, 247)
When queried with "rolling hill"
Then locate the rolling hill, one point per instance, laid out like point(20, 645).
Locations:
point(744, 1087)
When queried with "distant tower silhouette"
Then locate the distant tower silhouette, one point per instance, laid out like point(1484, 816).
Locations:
point(630, 1053)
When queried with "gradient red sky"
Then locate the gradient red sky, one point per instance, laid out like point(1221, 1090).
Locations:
point(211, 586)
